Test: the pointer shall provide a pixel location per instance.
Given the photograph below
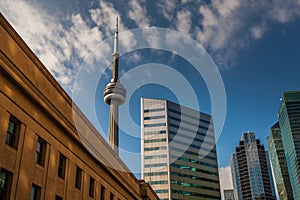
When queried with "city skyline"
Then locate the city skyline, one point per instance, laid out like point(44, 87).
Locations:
point(255, 69)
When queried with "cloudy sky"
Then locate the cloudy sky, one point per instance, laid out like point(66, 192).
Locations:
point(255, 46)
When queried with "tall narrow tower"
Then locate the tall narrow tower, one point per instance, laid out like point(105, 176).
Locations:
point(114, 95)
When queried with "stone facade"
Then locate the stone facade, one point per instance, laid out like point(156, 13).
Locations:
point(42, 155)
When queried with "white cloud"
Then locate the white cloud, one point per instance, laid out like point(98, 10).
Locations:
point(225, 7)
point(138, 14)
point(284, 11)
point(258, 31)
point(225, 178)
point(184, 21)
point(43, 33)
point(60, 49)
point(167, 8)
point(105, 17)
point(224, 26)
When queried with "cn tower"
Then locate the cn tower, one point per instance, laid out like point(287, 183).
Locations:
point(114, 95)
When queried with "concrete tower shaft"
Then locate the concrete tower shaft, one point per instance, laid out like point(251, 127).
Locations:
point(114, 95)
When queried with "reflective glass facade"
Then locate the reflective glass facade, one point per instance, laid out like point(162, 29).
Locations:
point(251, 171)
point(277, 157)
point(289, 121)
point(184, 162)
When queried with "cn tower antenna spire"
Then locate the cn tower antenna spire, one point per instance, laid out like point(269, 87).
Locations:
point(114, 95)
point(116, 53)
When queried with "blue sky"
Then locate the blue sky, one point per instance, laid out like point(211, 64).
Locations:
point(255, 46)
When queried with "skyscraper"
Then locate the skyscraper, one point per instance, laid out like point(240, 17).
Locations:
point(179, 157)
point(289, 121)
point(277, 157)
point(251, 172)
point(114, 95)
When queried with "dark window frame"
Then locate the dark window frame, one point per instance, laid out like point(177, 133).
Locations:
point(57, 197)
point(36, 195)
point(92, 187)
point(12, 136)
point(62, 162)
point(40, 153)
point(5, 185)
point(78, 178)
point(102, 193)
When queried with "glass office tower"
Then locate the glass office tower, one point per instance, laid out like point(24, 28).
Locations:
point(179, 157)
point(277, 157)
point(289, 121)
point(251, 171)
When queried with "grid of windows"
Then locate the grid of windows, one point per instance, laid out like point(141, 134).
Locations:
point(189, 137)
point(155, 148)
point(185, 193)
point(195, 161)
point(154, 117)
point(155, 140)
point(190, 130)
point(184, 114)
point(161, 191)
point(155, 156)
point(194, 158)
point(186, 184)
point(154, 110)
point(195, 146)
point(155, 132)
point(155, 173)
point(13, 132)
point(193, 177)
point(155, 125)
point(40, 151)
point(155, 165)
point(192, 153)
point(158, 182)
point(193, 169)
point(187, 122)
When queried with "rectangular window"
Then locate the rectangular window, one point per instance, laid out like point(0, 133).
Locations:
point(92, 187)
point(58, 197)
point(78, 178)
point(40, 151)
point(5, 184)
point(102, 197)
point(35, 192)
point(61, 166)
point(111, 196)
point(12, 135)
point(154, 110)
point(155, 125)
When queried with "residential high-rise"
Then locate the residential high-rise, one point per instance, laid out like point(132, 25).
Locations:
point(229, 194)
point(179, 158)
point(289, 121)
point(277, 157)
point(251, 172)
